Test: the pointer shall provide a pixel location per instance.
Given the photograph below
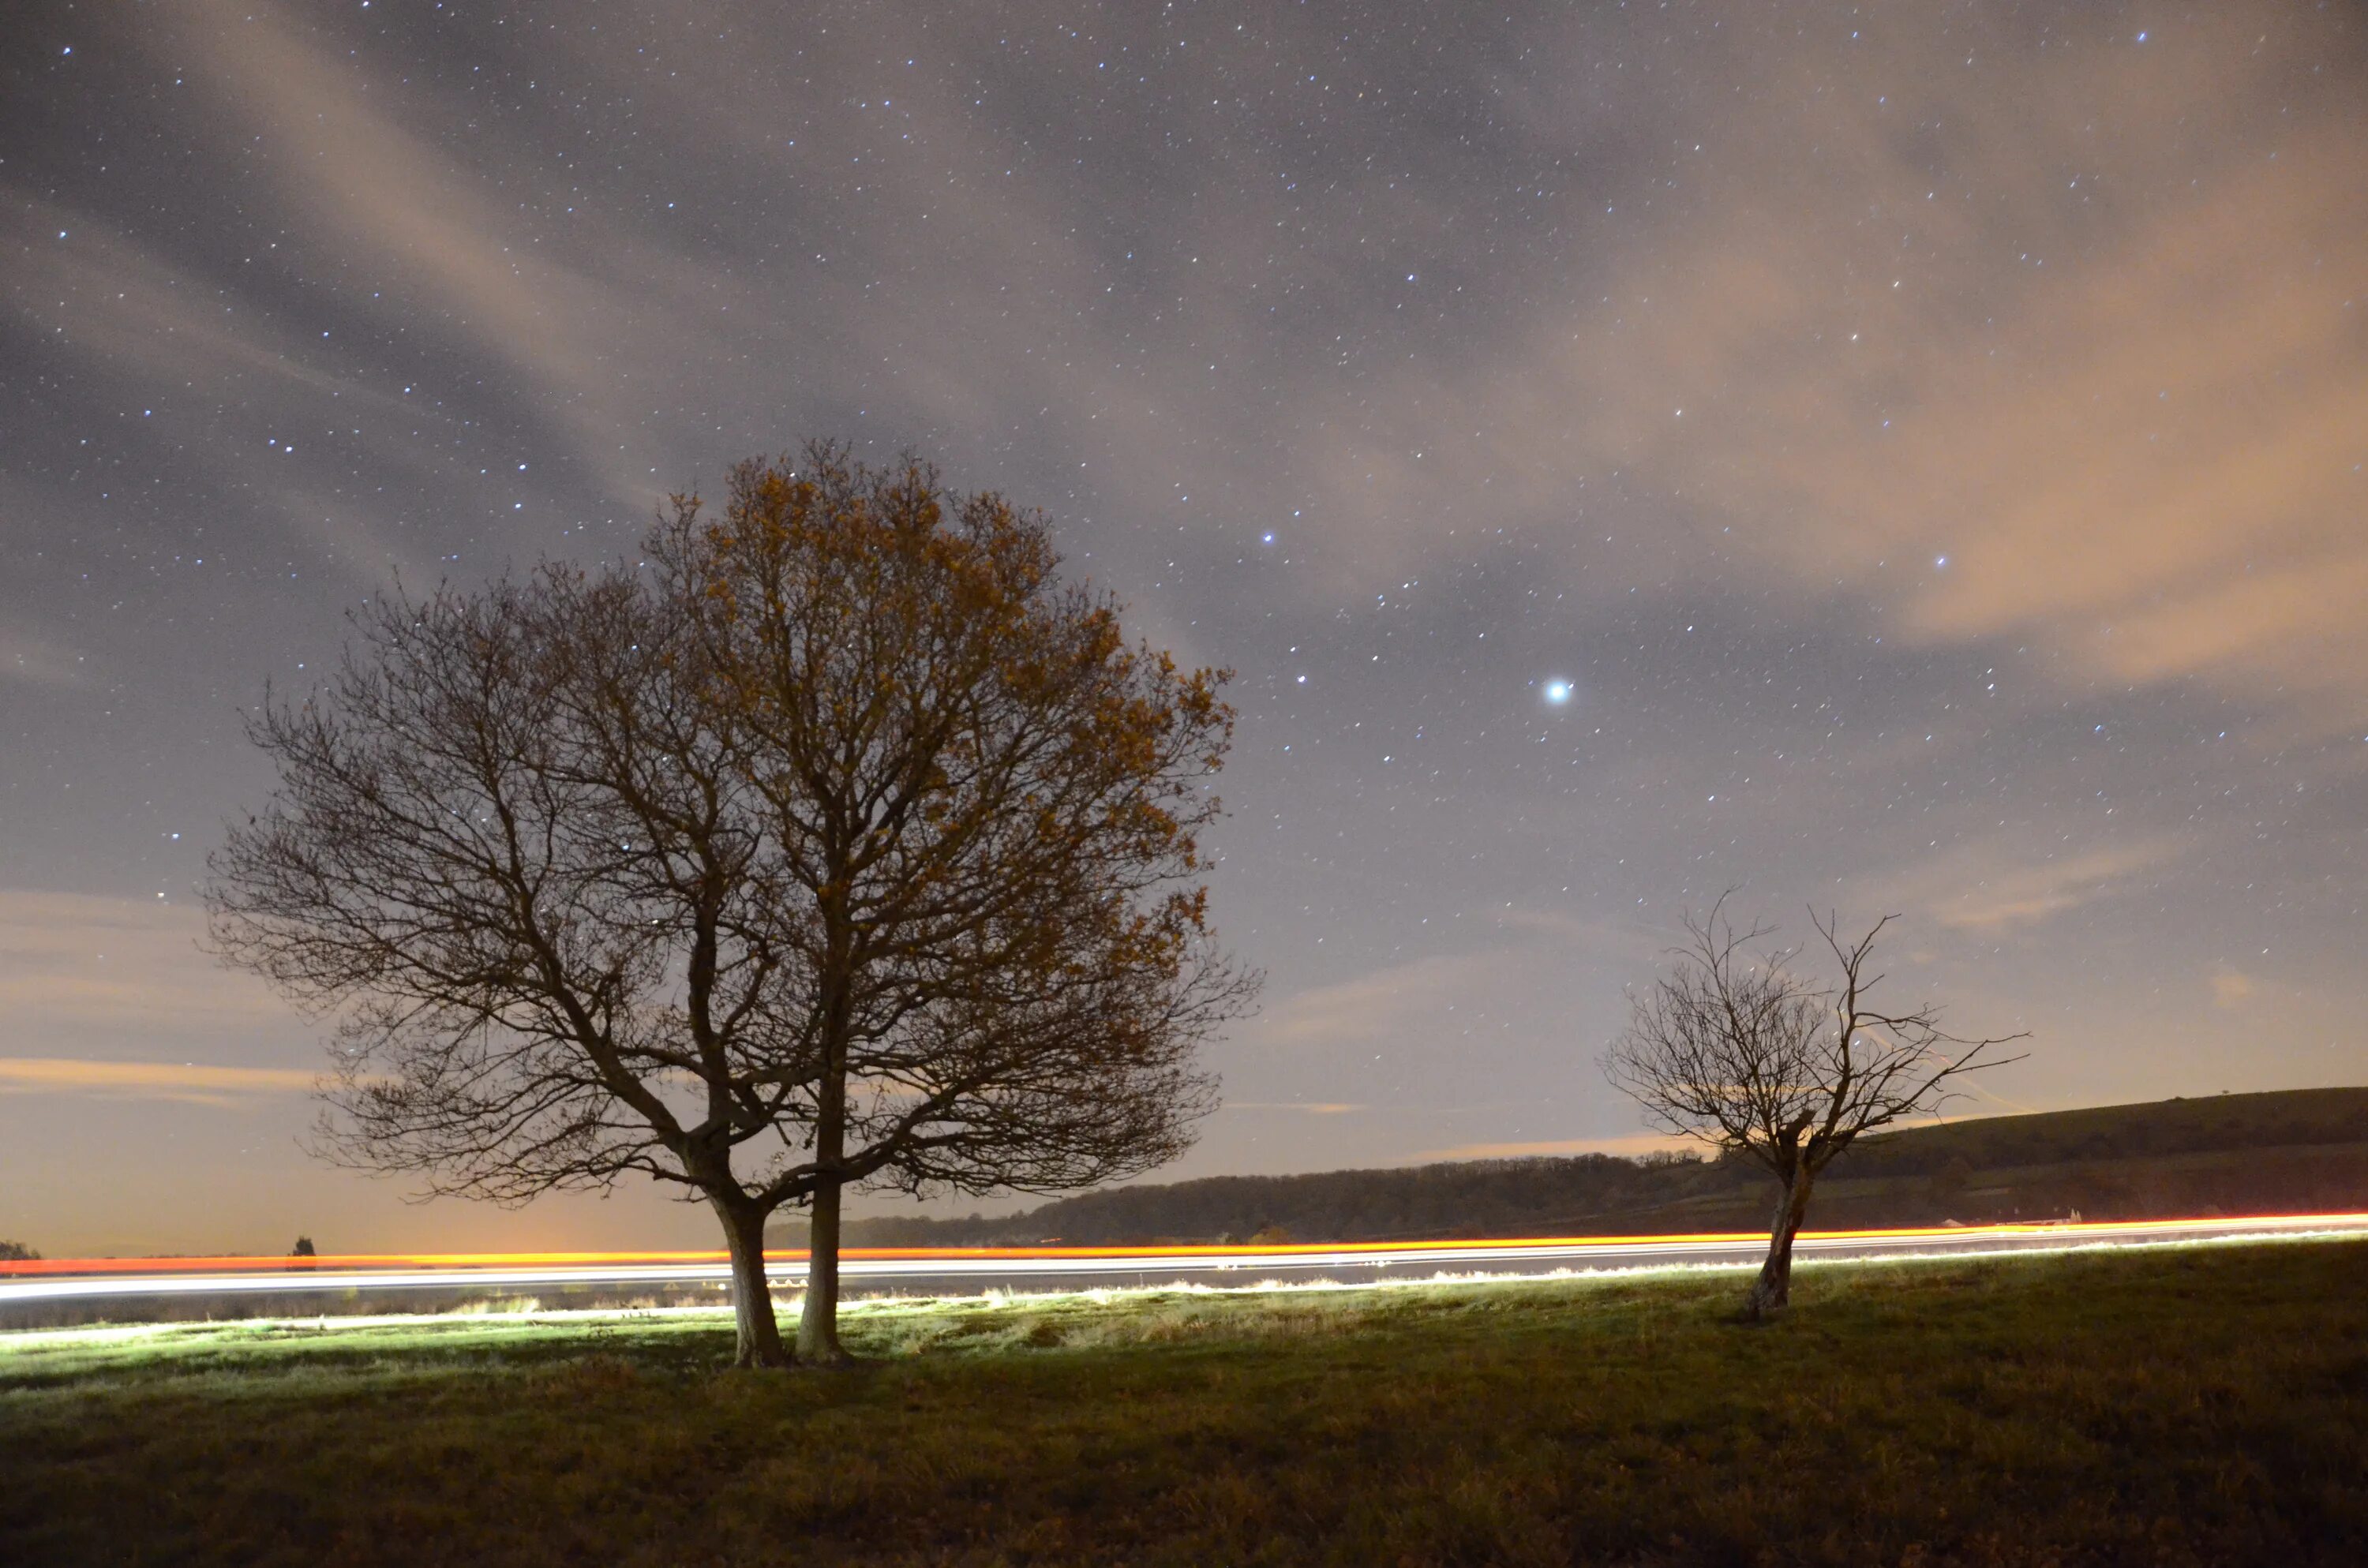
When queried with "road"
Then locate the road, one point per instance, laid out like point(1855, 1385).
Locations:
point(872, 1271)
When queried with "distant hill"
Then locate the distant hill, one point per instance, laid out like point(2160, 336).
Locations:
point(2296, 1151)
point(2286, 1119)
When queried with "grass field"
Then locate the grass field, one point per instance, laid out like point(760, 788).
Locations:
point(2204, 1405)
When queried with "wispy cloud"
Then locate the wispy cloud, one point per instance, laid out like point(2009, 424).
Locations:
point(1986, 374)
point(191, 1082)
point(1995, 886)
point(2231, 988)
point(353, 168)
point(1629, 1146)
point(42, 662)
point(1379, 1001)
point(1303, 1107)
point(73, 965)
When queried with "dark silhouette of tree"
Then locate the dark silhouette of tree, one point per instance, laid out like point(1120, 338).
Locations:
point(1737, 1050)
point(18, 1251)
point(836, 842)
point(984, 806)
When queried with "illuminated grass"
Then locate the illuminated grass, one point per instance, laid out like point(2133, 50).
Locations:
point(893, 1324)
point(2205, 1402)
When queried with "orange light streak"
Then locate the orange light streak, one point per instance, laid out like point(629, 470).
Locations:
point(342, 1262)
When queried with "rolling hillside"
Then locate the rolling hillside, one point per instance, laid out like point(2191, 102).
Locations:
point(2294, 1150)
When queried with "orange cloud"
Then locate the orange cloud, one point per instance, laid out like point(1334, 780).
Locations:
point(1304, 1108)
point(2145, 457)
point(1630, 1146)
point(2230, 987)
point(72, 966)
point(190, 1082)
point(2085, 366)
point(1985, 888)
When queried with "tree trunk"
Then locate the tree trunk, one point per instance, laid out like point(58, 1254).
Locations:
point(1772, 1292)
point(818, 1324)
point(759, 1343)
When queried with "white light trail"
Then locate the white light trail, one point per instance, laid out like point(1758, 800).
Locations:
point(1018, 1268)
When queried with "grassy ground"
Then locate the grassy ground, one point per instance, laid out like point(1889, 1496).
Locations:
point(2206, 1405)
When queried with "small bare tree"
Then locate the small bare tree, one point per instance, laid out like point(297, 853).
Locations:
point(1734, 1047)
point(593, 888)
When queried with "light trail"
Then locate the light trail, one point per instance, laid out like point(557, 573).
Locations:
point(978, 1268)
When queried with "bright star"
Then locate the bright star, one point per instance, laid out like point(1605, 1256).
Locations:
point(1558, 692)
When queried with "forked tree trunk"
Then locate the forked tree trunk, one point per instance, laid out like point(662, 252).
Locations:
point(818, 1324)
point(760, 1337)
point(1772, 1292)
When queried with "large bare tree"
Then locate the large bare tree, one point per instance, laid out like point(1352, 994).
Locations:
point(589, 890)
point(1733, 1046)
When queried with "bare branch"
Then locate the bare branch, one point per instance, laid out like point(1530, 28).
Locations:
point(1738, 1050)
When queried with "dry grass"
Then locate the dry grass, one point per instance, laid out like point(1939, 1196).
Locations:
point(2205, 1404)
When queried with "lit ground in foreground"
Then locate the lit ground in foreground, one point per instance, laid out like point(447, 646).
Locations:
point(2193, 1404)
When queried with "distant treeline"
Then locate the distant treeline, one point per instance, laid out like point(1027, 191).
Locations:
point(1482, 1197)
point(2298, 1151)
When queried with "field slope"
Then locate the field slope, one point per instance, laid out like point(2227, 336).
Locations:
point(2199, 1404)
point(2286, 1151)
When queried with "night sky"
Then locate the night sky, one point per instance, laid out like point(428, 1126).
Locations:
point(1909, 459)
